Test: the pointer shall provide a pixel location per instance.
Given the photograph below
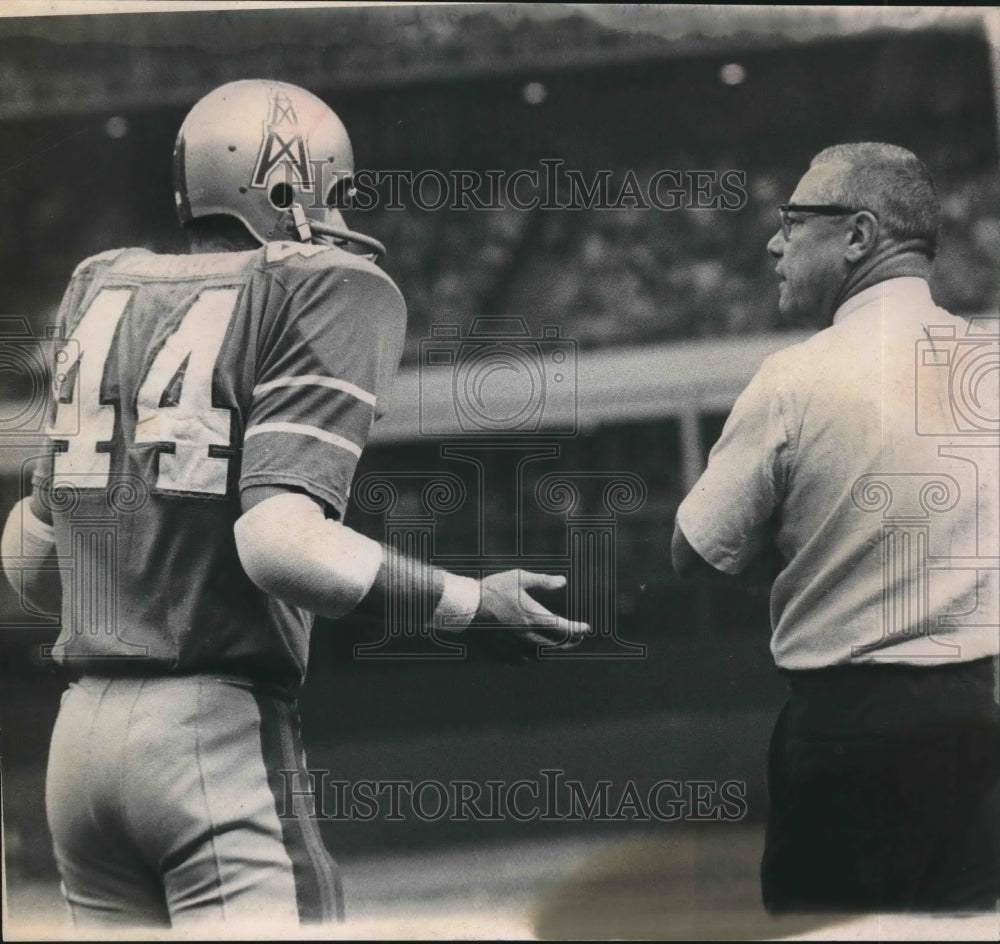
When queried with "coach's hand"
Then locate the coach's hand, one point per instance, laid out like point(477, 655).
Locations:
point(510, 624)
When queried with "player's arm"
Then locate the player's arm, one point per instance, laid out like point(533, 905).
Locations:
point(27, 546)
point(28, 549)
point(331, 343)
point(293, 551)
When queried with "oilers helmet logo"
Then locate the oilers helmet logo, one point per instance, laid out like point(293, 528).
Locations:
point(283, 142)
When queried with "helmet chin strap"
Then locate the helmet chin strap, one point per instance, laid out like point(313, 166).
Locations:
point(307, 228)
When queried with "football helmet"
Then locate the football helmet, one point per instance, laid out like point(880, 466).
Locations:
point(273, 156)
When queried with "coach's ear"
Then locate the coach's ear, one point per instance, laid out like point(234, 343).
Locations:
point(862, 236)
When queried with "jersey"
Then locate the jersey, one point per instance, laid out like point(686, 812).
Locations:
point(179, 381)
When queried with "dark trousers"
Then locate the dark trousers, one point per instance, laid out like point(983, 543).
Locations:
point(884, 786)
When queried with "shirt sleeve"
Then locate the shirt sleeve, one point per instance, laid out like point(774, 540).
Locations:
point(328, 354)
point(727, 514)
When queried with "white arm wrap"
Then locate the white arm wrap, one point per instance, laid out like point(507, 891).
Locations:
point(24, 535)
point(26, 541)
point(459, 603)
point(293, 552)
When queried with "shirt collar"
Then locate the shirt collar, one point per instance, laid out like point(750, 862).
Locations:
point(906, 291)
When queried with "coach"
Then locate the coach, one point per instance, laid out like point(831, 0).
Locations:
point(868, 456)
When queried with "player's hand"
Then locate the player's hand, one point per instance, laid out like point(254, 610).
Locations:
point(511, 624)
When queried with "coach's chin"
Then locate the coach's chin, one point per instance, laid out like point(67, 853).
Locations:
point(808, 286)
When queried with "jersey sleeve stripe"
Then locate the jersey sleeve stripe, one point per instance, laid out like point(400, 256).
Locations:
point(325, 409)
point(317, 380)
point(302, 429)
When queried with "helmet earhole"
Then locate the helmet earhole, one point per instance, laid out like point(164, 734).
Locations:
point(282, 196)
point(339, 195)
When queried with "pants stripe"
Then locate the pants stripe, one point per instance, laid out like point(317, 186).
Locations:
point(318, 886)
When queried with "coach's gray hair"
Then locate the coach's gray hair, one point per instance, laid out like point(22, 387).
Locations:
point(894, 184)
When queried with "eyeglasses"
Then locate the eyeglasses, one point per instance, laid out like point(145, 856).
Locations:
point(818, 209)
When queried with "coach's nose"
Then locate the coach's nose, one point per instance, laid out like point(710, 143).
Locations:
point(776, 245)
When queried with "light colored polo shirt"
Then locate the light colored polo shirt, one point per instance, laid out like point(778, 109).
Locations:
point(869, 455)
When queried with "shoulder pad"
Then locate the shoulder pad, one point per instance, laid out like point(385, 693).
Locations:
point(193, 265)
point(102, 258)
point(292, 251)
point(312, 256)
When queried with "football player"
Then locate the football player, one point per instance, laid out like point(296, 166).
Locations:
point(208, 412)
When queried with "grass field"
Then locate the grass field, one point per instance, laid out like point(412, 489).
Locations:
point(686, 883)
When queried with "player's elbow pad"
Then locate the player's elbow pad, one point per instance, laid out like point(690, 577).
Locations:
point(293, 552)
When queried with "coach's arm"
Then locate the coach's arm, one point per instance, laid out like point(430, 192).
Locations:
point(757, 575)
point(687, 561)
